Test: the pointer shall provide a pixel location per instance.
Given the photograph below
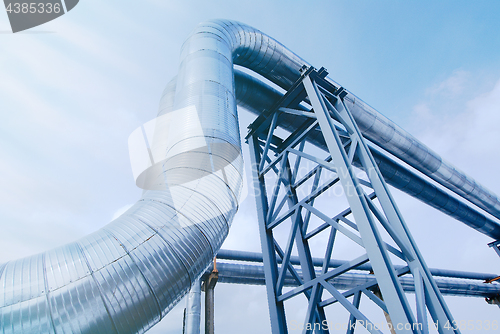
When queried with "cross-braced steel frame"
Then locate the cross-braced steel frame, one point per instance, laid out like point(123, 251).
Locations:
point(293, 184)
point(496, 246)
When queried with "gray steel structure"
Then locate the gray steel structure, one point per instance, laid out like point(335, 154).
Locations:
point(125, 277)
point(371, 209)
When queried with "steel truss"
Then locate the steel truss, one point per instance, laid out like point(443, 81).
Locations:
point(496, 246)
point(291, 178)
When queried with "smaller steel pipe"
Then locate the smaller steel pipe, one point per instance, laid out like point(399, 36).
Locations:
point(236, 273)
point(193, 309)
point(234, 255)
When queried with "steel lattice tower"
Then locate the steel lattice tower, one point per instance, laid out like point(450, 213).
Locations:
point(372, 220)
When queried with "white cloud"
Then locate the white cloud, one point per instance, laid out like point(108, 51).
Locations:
point(468, 137)
point(452, 86)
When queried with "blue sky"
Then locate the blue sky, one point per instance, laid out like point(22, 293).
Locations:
point(72, 91)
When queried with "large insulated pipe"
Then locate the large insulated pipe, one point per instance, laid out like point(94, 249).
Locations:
point(256, 96)
point(125, 277)
point(276, 63)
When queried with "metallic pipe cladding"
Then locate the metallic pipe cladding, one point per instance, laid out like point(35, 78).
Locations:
point(125, 277)
point(193, 309)
point(256, 96)
point(236, 273)
point(244, 256)
point(395, 140)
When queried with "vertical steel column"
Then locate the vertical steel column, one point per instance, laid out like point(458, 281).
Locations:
point(209, 287)
point(276, 309)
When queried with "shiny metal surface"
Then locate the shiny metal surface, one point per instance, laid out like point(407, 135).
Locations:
point(395, 140)
point(126, 276)
point(193, 309)
point(235, 255)
point(235, 273)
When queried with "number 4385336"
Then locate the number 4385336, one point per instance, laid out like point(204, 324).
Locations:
point(33, 7)
point(471, 325)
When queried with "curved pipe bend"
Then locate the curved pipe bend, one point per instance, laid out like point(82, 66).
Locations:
point(126, 276)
